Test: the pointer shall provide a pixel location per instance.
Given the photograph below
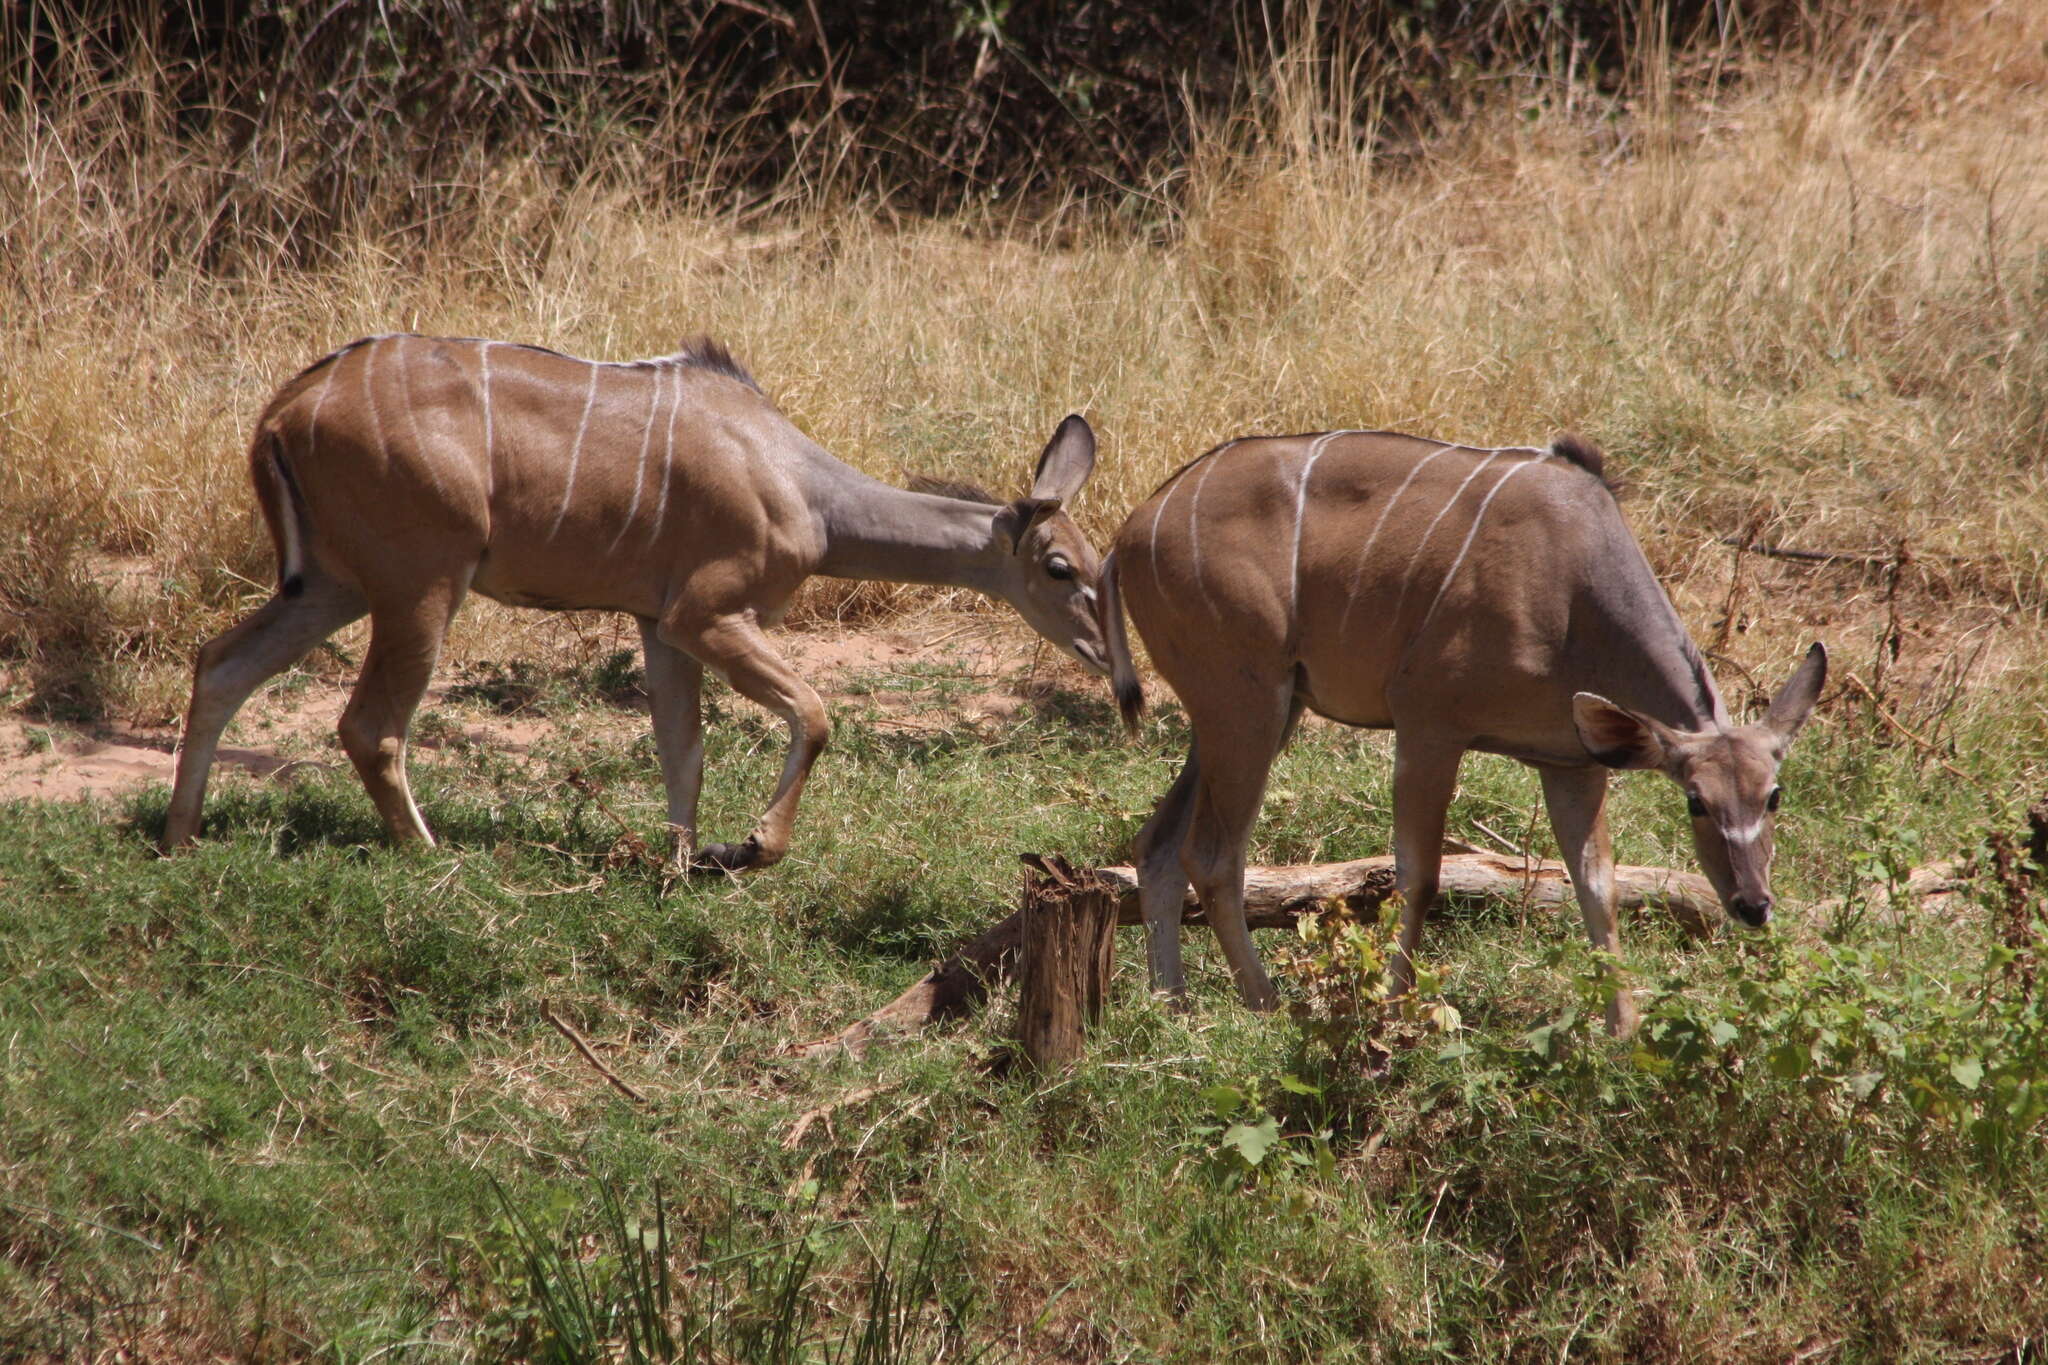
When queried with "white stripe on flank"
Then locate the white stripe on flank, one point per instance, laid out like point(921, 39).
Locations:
point(1157, 513)
point(640, 472)
point(668, 457)
point(1365, 554)
point(412, 416)
point(313, 422)
point(575, 454)
point(370, 397)
point(489, 448)
point(1408, 578)
point(1315, 452)
point(1195, 544)
point(1473, 531)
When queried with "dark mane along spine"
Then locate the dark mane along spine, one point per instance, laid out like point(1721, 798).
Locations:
point(1571, 446)
point(706, 354)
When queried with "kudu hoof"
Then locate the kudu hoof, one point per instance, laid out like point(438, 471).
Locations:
point(728, 857)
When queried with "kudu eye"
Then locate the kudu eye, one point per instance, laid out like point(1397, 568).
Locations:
point(1695, 807)
point(1771, 801)
point(1058, 567)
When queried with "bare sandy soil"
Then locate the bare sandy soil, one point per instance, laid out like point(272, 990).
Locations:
point(930, 673)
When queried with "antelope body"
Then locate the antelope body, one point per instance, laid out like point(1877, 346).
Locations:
point(400, 473)
point(1488, 599)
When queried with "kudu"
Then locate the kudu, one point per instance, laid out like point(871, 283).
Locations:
point(1488, 599)
point(402, 472)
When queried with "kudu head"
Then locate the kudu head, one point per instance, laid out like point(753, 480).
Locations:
point(1729, 775)
point(1047, 569)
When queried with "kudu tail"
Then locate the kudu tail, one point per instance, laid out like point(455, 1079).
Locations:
point(284, 510)
point(1123, 674)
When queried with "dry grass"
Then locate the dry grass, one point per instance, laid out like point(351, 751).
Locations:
point(1809, 307)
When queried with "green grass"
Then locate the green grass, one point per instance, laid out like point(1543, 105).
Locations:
point(291, 1094)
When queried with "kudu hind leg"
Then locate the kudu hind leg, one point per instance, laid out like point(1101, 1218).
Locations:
point(1238, 744)
point(233, 665)
point(1425, 780)
point(405, 643)
point(675, 683)
point(738, 649)
point(1163, 882)
point(1577, 800)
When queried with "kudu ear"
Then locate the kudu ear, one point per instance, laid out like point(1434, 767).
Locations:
point(1617, 736)
point(1016, 519)
point(1795, 699)
point(1068, 460)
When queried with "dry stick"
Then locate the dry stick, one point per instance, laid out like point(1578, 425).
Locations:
point(563, 1027)
point(1858, 558)
point(1274, 897)
point(1926, 747)
point(636, 847)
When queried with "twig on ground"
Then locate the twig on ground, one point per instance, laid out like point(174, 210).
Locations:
point(824, 1112)
point(567, 1030)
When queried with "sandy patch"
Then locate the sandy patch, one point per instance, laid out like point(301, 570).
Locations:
point(930, 675)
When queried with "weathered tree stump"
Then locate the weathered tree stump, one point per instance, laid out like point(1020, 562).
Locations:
point(1068, 930)
point(1274, 896)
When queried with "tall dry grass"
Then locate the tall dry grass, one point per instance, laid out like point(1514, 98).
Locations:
point(1806, 305)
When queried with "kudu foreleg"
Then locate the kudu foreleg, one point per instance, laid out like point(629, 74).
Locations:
point(1577, 799)
point(675, 683)
point(738, 649)
point(1425, 780)
point(234, 664)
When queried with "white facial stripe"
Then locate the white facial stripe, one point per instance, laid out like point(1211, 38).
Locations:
point(1365, 554)
point(576, 453)
point(1088, 596)
point(1748, 834)
point(1415, 558)
point(1452, 572)
point(1315, 452)
point(640, 471)
point(1195, 545)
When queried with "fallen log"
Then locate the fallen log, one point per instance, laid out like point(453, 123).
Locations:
point(1274, 897)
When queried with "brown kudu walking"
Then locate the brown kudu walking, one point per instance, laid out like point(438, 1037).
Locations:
point(1488, 599)
point(401, 473)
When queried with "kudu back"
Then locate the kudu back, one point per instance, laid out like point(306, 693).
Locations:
point(401, 473)
point(1466, 598)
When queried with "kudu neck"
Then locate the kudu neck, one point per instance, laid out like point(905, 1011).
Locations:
point(1653, 666)
point(876, 531)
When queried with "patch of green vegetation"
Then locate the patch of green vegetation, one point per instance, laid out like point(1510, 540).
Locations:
point(293, 1092)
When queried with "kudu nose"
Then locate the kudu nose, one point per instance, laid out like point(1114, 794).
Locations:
point(1753, 911)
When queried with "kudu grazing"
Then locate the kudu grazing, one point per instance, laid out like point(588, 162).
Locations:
point(1488, 599)
point(401, 473)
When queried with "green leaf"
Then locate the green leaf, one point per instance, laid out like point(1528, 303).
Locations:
point(1295, 1085)
point(1788, 1061)
point(1723, 1033)
point(1968, 1072)
point(1253, 1141)
point(1223, 1100)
